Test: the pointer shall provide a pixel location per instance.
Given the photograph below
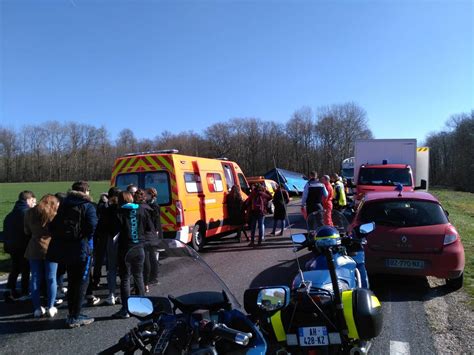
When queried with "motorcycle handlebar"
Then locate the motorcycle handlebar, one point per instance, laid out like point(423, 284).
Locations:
point(235, 336)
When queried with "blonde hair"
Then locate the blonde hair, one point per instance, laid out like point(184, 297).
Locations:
point(47, 208)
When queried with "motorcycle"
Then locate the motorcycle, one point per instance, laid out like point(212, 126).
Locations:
point(331, 311)
point(192, 311)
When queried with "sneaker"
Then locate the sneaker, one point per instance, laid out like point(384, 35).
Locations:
point(251, 244)
point(58, 301)
point(92, 300)
point(52, 312)
point(76, 322)
point(110, 300)
point(122, 314)
point(39, 312)
point(147, 289)
point(68, 321)
point(64, 290)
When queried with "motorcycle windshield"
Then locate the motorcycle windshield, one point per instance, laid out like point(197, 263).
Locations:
point(183, 274)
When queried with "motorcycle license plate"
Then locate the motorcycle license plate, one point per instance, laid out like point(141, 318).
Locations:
point(405, 264)
point(313, 336)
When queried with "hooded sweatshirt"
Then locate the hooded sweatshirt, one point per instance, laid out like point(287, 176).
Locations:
point(133, 220)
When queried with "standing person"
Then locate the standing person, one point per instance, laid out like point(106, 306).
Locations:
point(100, 241)
point(152, 200)
point(16, 242)
point(37, 220)
point(327, 201)
point(257, 206)
point(131, 221)
point(313, 194)
point(107, 230)
point(280, 200)
point(151, 237)
point(72, 232)
point(339, 201)
point(61, 267)
point(235, 210)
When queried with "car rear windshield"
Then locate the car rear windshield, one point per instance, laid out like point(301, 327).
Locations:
point(385, 176)
point(403, 213)
point(158, 179)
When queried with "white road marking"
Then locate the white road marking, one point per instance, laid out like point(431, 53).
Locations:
point(399, 348)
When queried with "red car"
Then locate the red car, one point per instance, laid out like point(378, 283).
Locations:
point(412, 236)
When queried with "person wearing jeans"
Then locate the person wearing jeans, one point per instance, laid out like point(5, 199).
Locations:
point(36, 226)
point(71, 244)
point(257, 204)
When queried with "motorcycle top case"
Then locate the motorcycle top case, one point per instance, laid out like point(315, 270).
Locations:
point(363, 313)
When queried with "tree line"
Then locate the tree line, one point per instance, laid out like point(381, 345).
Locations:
point(69, 151)
point(309, 140)
point(452, 153)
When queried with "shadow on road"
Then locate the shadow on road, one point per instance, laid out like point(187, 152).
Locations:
point(402, 288)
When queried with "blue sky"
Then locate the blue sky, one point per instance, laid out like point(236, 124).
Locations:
point(183, 65)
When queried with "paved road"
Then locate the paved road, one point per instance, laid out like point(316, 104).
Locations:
point(406, 329)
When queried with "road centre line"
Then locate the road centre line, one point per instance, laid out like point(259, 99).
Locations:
point(399, 348)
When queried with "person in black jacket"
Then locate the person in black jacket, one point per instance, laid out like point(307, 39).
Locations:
point(15, 244)
point(132, 220)
point(152, 200)
point(72, 245)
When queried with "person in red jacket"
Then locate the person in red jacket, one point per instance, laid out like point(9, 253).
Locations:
point(327, 201)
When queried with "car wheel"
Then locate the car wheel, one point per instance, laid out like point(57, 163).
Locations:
point(199, 237)
point(455, 284)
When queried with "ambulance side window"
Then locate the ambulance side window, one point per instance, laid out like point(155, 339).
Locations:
point(193, 182)
point(214, 182)
point(243, 184)
point(229, 178)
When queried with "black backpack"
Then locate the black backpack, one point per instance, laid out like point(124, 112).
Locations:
point(68, 223)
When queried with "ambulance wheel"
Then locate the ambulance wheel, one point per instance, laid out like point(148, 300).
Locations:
point(199, 237)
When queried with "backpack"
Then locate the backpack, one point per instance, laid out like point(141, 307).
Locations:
point(68, 223)
point(258, 204)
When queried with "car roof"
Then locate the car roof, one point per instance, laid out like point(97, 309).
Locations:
point(391, 195)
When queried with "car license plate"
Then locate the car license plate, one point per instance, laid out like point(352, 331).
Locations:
point(313, 336)
point(405, 264)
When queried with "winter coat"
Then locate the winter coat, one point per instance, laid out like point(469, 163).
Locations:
point(280, 200)
point(15, 238)
point(69, 251)
point(156, 217)
point(133, 220)
point(107, 224)
point(40, 236)
point(235, 210)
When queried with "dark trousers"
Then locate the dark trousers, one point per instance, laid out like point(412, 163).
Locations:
point(132, 266)
point(78, 279)
point(150, 267)
point(21, 266)
point(100, 249)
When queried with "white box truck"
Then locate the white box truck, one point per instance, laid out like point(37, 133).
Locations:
point(381, 164)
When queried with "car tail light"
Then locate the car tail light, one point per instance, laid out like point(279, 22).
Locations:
point(179, 214)
point(450, 238)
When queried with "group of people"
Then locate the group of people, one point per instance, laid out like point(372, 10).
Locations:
point(69, 233)
point(252, 210)
point(319, 195)
point(323, 195)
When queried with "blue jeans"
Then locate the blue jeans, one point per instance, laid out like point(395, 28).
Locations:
point(41, 270)
point(254, 219)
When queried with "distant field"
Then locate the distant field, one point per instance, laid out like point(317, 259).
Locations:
point(9, 194)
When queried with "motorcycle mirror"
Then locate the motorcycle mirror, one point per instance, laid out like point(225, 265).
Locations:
point(298, 238)
point(367, 228)
point(271, 299)
point(266, 300)
point(140, 307)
